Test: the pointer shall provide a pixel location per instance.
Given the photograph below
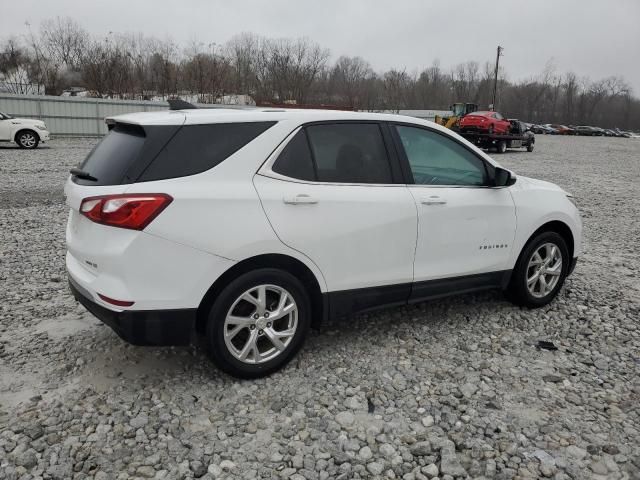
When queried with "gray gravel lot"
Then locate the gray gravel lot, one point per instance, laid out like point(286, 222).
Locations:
point(448, 389)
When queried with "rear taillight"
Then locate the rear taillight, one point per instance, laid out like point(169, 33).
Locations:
point(133, 211)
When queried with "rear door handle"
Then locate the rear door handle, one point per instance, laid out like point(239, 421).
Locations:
point(433, 200)
point(299, 199)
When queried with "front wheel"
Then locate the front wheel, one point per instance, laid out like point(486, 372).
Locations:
point(27, 139)
point(530, 147)
point(502, 146)
point(540, 271)
point(258, 323)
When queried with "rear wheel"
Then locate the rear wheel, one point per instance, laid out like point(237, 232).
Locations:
point(540, 271)
point(258, 323)
point(27, 139)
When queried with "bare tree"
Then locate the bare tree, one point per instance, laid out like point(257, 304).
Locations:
point(62, 53)
point(64, 40)
point(348, 78)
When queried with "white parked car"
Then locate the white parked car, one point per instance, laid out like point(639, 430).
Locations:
point(249, 226)
point(26, 132)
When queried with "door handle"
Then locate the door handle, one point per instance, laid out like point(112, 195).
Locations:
point(433, 200)
point(299, 199)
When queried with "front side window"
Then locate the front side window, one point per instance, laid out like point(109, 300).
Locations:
point(349, 153)
point(435, 159)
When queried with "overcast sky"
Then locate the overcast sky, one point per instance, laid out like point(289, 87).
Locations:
point(596, 38)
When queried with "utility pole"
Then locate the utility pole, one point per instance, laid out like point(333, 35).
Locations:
point(495, 79)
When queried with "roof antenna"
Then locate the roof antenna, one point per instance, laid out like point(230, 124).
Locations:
point(177, 104)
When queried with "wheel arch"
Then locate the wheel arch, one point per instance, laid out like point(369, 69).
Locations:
point(558, 226)
point(280, 261)
point(25, 129)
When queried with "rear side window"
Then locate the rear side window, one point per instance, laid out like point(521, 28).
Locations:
point(295, 160)
point(114, 155)
point(197, 148)
point(349, 153)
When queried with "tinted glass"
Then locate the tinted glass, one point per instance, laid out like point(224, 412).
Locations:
point(111, 158)
point(437, 160)
point(349, 153)
point(196, 148)
point(295, 160)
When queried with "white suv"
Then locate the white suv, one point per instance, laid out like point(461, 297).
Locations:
point(26, 132)
point(249, 226)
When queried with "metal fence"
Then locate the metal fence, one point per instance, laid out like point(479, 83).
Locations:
point(72, 116)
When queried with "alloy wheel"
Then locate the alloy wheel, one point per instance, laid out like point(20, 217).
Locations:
point(260, 324)
point(544, 270)
point(27, 140)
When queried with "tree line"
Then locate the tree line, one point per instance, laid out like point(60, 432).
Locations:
point(61, 54)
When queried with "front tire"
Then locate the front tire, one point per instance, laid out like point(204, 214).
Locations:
point(540, 271)
point(502, 146)
point(258, 323)
point(530, 147)
point(27, 139)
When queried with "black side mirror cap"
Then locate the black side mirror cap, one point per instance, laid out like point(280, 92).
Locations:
point(503, 178)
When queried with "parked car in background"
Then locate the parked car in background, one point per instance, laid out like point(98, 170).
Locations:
point(543, 130)
point(247, 226)
point(25, 132)
point(561, 129)
point(485, 122)
point(588, 131)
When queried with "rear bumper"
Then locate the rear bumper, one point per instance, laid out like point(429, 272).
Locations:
point(142, 327)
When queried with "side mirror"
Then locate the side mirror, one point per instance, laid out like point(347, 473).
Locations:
point(503, 178)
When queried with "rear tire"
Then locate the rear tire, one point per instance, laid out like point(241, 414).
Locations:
point(248, 333)
point(27, 139)
point(540, 271)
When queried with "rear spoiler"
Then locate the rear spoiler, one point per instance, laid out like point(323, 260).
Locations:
point(177, 104)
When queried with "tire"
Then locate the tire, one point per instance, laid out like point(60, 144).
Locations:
point(530, 147)
point(239, 331)
point(519, 291)
point(501, 147)
point(27, 139)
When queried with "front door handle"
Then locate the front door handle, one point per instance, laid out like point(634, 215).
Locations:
point(299, 199)
point(433, 200)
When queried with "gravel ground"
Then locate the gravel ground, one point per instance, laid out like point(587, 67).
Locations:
point(455, 388)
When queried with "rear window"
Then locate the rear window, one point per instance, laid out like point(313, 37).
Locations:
point(197, 148)
point(113, 155)
point(128, 154)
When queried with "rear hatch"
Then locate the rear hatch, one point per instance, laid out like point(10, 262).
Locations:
point(111, 167)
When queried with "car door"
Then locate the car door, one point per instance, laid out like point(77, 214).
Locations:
point(465, 227)
point(331, 192)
